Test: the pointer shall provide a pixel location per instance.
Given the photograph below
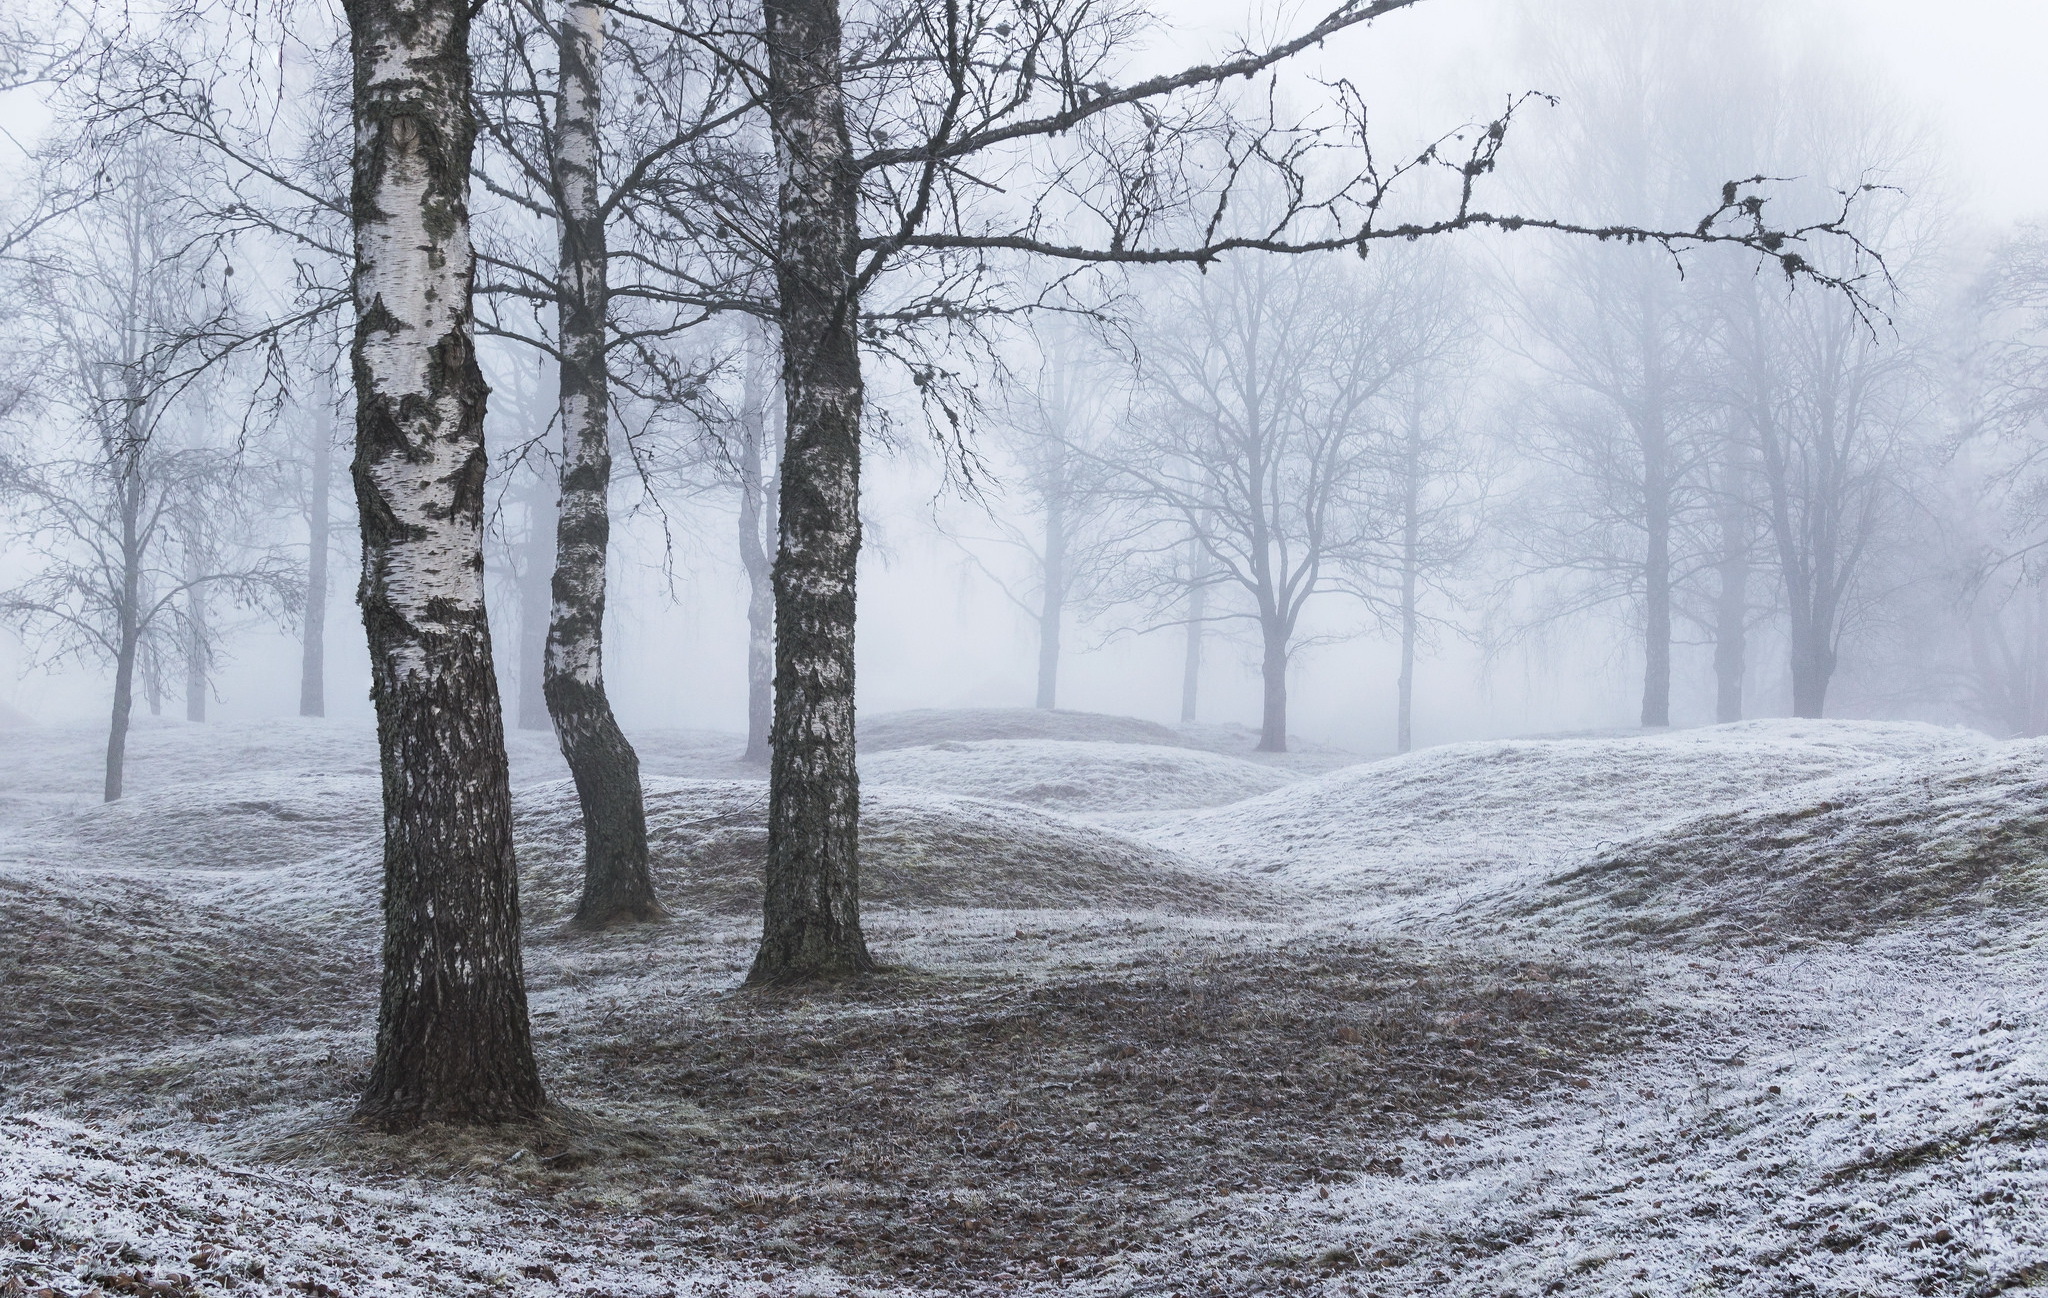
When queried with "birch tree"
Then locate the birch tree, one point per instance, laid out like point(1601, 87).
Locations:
point(453, 1040)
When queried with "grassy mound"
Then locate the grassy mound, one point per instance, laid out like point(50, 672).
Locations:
point(1443, 816)
point(1944, 837)
point(243, 822)
point(709, 841)
point(922, 726)
point(99, 959)
point(1076, 775)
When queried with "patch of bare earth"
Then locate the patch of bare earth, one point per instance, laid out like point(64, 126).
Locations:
point(952, 1128)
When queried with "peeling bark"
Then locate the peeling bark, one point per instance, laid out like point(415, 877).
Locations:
point(811, 905)
point(617, 887)
point(453, 1042)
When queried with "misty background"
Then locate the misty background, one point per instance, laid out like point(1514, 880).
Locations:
point(1519, 636)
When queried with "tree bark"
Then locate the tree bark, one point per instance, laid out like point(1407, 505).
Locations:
point(1813, 666)
point(1052, 597)
point(617, 886)
point(128, 623)
point(313, 636)
point(811, 903)
point(1273, 675)
point(760, 460)
point(453, 1042)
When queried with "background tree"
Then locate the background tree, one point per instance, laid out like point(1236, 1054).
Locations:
point(1042, 499)
point(1258, 439)
point(986, 128)
point(130, 526)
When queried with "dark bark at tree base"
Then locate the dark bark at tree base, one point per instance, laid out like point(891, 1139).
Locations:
point(453, 1044)
point(618, 887)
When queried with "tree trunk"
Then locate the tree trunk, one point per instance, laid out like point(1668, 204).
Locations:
point(453, 1042)
point(1813, 666)
point(313, 637)
point(128, 624)
point(617, 886)
point(196, 637)
point(811, 902)
point(1052, 598)
point(1731, 611)
point(760, 460)
point(536, 601)
point(1273, 673)
point(1191, 660)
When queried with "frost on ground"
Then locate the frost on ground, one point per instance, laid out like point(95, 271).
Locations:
point(1955, 836)
point(1748, 1010)
point(1076, 776)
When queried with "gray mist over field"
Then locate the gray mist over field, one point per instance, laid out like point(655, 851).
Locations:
point(1521, 634)
point(1048, 648)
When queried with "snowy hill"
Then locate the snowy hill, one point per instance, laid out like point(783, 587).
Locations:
point(1752, 1010)
point(1948, 837)
point(1076, 775)
point(1447, 816)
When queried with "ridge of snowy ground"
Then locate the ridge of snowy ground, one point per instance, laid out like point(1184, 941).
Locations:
point(708, 841)
point(1957, 836)
point(1077, 776)
point(1823, 1118)
point(1823, 1125)
point(1444, 818)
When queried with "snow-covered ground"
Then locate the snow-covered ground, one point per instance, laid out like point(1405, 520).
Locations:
point(1756, 1009)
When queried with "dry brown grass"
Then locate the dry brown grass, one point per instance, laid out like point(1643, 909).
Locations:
point(949, 1128)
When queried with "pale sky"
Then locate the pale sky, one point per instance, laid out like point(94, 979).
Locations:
point(1975, 67)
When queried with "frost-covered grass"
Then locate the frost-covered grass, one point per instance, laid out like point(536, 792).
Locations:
point(1076, 775)
point(1440, 818)
point(708, 841)
point(1958, 836)
point(1492, 1019)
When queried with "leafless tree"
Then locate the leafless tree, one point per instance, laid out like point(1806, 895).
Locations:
point(1042, 496)
point(925, 141)
point(1436, 468)
point(453, 1038)
point(1258, 439)
point(133, 526)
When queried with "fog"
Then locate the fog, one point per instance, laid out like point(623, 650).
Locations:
point(936, 628)
point(1022, 647)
